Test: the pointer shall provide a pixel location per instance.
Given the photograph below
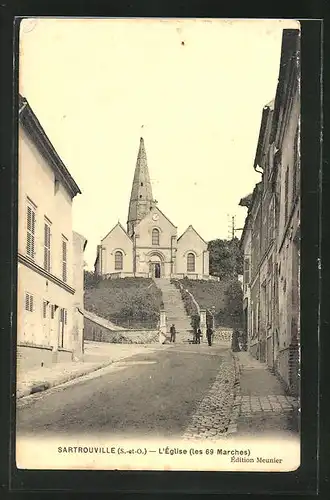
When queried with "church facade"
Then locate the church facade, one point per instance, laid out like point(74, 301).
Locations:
point(150, 246)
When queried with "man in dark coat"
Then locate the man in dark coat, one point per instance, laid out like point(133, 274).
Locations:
point(209, 333)
point(173, 333)
point(235, 347)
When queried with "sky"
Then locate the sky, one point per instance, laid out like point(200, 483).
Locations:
point(193, 89)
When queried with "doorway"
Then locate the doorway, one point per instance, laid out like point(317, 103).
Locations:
point(156, 265)
point(156, 270)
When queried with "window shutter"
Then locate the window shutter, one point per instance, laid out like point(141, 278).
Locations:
point(31, 303)
point(47, 246)
point(29, 218)
point(64, 260)
point(30, 226)
point(44, 310)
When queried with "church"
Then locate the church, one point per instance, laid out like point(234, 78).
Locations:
point(150, 246)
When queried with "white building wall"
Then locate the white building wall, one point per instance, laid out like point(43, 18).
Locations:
point(191, 242)
point(37, 184)
point(116, 240)
point(33, 328)
point(79, 243)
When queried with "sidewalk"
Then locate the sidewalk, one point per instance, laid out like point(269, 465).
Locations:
point(261, 403)
point(97, 355)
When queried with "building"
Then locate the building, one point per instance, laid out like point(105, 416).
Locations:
point(50, 254)
point(271, 235)
point(150, 247)
point(286, 138)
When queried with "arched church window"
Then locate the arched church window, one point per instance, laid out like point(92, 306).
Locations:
point(155, 237)
point(190, 262)
point(118, 261)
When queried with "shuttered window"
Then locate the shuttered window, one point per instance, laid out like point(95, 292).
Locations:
point(63, 322)
point(47, 246)
point(29, 303)
point(246, 273)
point(190, 263)
point(64, 260)
point(30, 230)
point(44, 309)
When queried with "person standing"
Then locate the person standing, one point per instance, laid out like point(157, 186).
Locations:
point(209, 333)
point(235, 347)
point(173, 333)
point(198, 336)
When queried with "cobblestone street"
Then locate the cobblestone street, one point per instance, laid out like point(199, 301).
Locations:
point(195, 392)
point(244, 399)
point(212, 416)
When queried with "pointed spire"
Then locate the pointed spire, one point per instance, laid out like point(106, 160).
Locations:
point(141, 195)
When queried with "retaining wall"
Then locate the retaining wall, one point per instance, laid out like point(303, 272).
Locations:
point(98, 333)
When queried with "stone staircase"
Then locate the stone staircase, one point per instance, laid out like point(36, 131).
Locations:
point(175, 311)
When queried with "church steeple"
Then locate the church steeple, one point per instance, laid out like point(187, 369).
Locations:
point(141, 195)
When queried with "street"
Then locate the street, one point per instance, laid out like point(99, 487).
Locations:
point(154, 393)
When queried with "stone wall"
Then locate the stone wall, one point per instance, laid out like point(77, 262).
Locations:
point(98, 333)
point(287, 369)
point(223, 335)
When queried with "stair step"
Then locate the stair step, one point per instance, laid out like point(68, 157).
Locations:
point(174, 309)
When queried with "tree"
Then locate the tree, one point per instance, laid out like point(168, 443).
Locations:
point(90, 279)
point(226, 258)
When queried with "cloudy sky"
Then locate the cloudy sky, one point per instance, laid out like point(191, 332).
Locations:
point(194, 89)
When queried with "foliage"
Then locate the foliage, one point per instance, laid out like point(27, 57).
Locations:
point(195, 322)
point(133, 302)
point(208, 294)
point(224, 298)
point(188, 303)
point(233, 311)
point(226, 258)
point(90, 279)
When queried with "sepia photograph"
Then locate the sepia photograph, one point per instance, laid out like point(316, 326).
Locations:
point(158, 292)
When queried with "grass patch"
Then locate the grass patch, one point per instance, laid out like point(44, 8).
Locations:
point(224, 297)
point(127, 302)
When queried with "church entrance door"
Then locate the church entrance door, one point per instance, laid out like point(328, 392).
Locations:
point(156, 261)
point(156, 270)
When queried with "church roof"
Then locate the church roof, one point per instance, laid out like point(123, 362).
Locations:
point(114, 227)
point(162, 213)
point(190, 227)
point(141, 193)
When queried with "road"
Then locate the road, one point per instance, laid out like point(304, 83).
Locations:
point(151, 394)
